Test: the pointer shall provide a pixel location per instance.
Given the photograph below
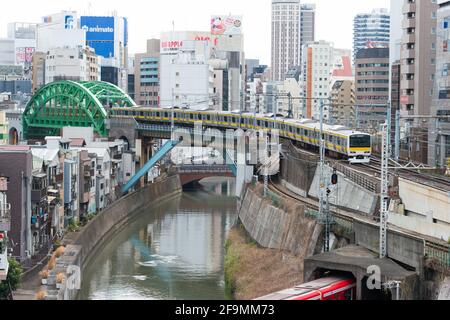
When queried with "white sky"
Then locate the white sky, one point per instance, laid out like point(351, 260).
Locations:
point(147, 18)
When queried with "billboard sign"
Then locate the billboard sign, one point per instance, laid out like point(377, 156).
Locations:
point(100, 34)
point(69, 22)
point(226, 25)
point(98, 28)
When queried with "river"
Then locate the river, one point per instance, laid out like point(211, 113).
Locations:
point(174, 251)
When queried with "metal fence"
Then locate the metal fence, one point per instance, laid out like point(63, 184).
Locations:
point(438, 254)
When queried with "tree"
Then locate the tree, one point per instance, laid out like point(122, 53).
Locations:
point(12, 281)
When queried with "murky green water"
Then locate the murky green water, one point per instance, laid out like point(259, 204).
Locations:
point(173, 251)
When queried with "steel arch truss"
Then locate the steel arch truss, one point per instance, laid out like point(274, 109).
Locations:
point(72, 104)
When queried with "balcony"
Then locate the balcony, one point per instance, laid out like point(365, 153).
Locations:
point(409, 38)
point(408, 23)
point(59, 178)
point(408, 8)
point(38, 195)
point(408, 69)
point(407, 84)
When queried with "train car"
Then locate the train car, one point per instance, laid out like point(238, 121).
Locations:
point(329, 288)
point(340, 142)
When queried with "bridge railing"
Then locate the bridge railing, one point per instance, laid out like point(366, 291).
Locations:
point(203, 168)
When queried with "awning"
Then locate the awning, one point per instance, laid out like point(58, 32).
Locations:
point(52, 191)
point(51, 199)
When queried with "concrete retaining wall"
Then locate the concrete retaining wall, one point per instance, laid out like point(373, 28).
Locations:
point(347, 194)
point(401, 247)
point(297, 170)
point(276, 228)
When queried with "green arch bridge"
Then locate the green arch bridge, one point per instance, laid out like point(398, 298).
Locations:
point(72, 104)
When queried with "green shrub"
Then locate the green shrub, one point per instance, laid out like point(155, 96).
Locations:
point(12, 281)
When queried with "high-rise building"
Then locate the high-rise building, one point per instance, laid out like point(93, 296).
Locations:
point(439, 135)
point(146, 72)
point(371, 30)
point(318, 58)
point(418, 55)
point(293, 25)
point(418, 68)
point(307, 25)
point(371, 87)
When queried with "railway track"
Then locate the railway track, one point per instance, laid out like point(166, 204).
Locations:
point(412, 173)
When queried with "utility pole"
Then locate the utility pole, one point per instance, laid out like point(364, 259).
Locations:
point(322, 208)
point(290, 112)
point(266, 173)
point(172, 120)
point(389, 123)
point(397, 135)
point(384, 191)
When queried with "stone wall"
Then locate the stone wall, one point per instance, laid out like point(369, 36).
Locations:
point(275, 228)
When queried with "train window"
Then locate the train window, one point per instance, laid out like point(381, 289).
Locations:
point(360, 141)
point(208, 117)
point(258, 123)
point(191, 116)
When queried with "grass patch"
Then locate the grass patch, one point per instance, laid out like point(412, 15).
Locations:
point(252, 271)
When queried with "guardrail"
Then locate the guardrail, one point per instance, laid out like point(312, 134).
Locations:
point(357, 178)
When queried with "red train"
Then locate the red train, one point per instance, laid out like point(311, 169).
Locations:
point(329, 288)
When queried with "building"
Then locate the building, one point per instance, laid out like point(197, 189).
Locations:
point(318, 59)
point(5, 227)
point(24, 35)
point(287, 104)
point(250, 66)
point(15, 86)
point(292, 26)
point(16, 162)
point(372, 87)
point(7, 52)
point(131, 77)
point(343, 103)
point(371, 30)
point(38, 75)
point(146, 72)
point(418, 69)
point(4, 128)
point(439, 135)
point(77, 64)
point(92, 68)
point(187, 81)
point(307, 25)
point(418, 56)
point(108, 36)
point(225, 54)
point(60, 30)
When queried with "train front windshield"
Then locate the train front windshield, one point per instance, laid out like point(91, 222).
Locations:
point(360, 141)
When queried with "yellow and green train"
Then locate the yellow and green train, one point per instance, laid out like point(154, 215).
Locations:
point(339, 141)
